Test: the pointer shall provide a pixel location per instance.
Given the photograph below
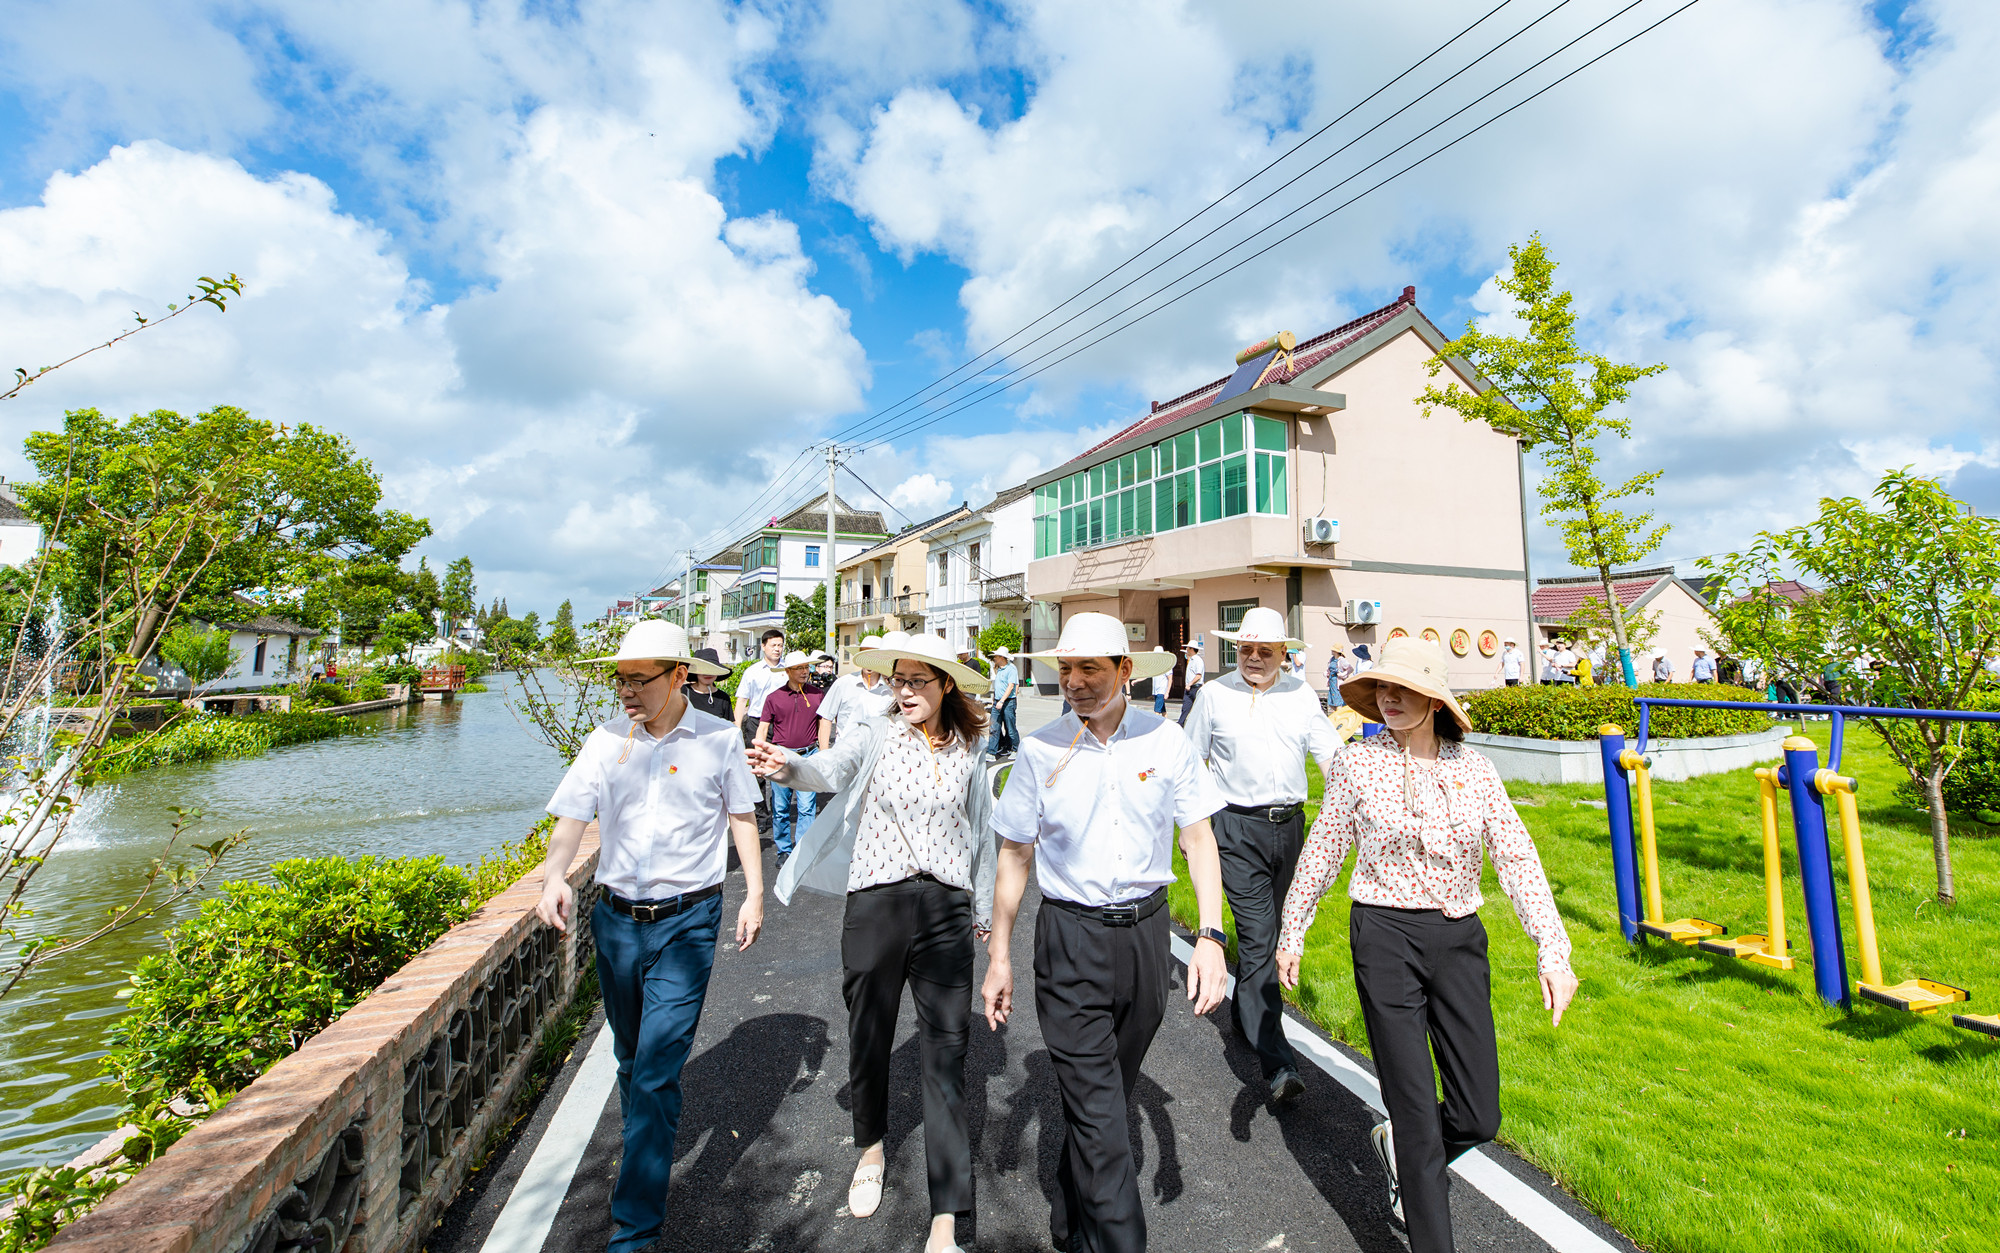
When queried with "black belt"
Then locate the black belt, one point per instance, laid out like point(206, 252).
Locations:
point(656, 911)
point(1127, 915)
point(1274, 814)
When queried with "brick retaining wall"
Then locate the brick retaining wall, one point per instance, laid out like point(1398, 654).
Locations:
point(362, 1137)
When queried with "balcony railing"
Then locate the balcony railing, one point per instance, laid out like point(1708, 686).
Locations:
point(1003, 588)
point(877, 606)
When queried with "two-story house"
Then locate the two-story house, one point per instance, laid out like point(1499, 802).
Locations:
point(886, 586)
point(702, 589)
point(977, 569)
point(788, 557)
point(1308, 481)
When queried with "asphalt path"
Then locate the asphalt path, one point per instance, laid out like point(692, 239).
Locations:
point(766, 1148)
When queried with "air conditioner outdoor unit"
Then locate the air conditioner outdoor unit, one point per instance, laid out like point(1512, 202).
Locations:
point(1364, 612)
point(1322, 530)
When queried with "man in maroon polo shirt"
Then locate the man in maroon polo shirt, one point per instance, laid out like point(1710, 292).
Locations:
point(791, 720)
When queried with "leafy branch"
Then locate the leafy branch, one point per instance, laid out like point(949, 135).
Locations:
point(209, 291)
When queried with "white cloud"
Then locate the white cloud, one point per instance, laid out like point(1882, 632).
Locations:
point(921, 494)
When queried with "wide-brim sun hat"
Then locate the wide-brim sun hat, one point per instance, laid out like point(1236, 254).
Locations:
point(1410, 662)
point(795, 658)
point(657, 640)
point(1101, 635)
point(1261, 626)
point(928, 649)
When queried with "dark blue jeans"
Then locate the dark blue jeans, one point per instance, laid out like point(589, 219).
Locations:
point(654, 977)
point(785, 826)
point(1004, 728)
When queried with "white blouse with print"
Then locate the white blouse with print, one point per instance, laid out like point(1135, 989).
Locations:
point(1419, 840)
point(913, 820)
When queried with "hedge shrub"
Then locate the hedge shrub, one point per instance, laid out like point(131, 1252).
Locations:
point(265, 966)
point(1973, 786)
point(1568, 712)
point(207, 737)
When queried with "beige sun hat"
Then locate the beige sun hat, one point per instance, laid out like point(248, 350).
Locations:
point(928, 649)
point(657, 640)
point(795, 658)
point(1261, 626)
point(1101, 635)
point(1408, 662)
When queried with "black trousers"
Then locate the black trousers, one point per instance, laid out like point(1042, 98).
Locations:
point(1100, 992)
point(1426, 988)
point(916, 931)
point(1259, 858)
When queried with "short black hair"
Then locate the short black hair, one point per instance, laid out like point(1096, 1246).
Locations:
point(770, 633)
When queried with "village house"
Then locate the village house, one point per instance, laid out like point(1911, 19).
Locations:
point(977, 569)
point(700, 605)
point(266, 651)
point(788, 557)
point(1685, 619)
point(1308, 481)
point(885, 587)
point(20, 534)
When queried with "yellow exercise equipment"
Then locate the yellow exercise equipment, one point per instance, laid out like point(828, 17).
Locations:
point(1680, 930)
point(1916, 996)
point(1773, 949)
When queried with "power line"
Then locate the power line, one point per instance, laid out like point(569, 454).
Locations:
point(1261, 200)
point(1001, 384)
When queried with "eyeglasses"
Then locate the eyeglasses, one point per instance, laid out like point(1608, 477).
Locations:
point(624, 684)
point(915, 685)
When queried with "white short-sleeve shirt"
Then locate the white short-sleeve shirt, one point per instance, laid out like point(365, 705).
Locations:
point(1256, 742)
point(759, 681)
point(1103, 815)
point(662, 805)
point(849, 699)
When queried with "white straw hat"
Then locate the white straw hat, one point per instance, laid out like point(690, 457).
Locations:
point(1261, 626)
point(794, 658)
point(657, 640)
point(1101, 635)
point(928, 649)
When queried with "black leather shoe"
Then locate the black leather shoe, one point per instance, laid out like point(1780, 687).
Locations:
point(1286, 1087)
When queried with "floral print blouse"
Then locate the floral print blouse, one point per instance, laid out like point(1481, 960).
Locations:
point(1420, 828)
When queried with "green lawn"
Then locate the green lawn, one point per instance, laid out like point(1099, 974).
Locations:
point(1701, 1103)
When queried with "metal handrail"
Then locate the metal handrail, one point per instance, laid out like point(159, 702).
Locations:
point(1839, 714)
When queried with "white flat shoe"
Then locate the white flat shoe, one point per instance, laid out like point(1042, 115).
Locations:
point(864, 1194)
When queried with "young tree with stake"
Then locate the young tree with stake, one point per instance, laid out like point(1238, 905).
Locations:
point(1556, 399)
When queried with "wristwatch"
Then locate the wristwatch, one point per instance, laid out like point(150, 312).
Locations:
point(1214, 933)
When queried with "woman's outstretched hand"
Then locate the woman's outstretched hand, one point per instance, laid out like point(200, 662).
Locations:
point(767, 760)
point(1557, 992)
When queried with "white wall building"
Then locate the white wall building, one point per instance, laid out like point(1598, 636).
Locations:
point(976, 568)
point(787, 557)
point(20, 535)
point(267, 651)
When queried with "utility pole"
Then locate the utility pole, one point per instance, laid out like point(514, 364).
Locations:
point(830, 564)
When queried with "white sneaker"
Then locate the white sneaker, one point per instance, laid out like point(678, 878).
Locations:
point(1383, 1137)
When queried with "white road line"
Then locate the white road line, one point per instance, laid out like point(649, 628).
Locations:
point(1528, 1207)
point(523, 1226)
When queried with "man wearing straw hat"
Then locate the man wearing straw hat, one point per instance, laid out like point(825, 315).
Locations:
point(1255, 726)
point(860, 693)
point(669, 788)
point(1091, 806)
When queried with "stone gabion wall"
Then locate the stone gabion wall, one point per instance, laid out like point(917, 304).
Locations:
point(359, 1140)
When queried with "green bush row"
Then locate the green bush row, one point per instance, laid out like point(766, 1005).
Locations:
point(209, 737)
point(1568, 712)
point(1973, 786)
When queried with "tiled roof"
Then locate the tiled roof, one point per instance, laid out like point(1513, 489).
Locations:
point(846, 521)
point(913, 531)
point(1561, 601)
point(255, 619)
point(1790, 589)
point(1009, 496)
point(1305, 356)
point(11, 512)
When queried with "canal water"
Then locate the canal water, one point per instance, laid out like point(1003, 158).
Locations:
point(455, 780)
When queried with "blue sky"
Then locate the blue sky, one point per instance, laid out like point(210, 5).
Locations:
point(580, 278)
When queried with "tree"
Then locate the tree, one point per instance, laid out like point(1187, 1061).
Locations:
point(212, 291)
point(203, 656)
point(510, 638)
point(562, 632)
point(1590, 623)
point(1002, 634)
point(460, 595)
point(1555, 398)
point(805, 621)
point(532, 621)
point(402, 631)
point(1908, 613)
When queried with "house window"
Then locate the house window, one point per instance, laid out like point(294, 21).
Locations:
point(943, 570)
point(701, 580)
point(812, 556)
point(765, 553)
point(1230, 616)
point(1223, 469)
point(257, 661)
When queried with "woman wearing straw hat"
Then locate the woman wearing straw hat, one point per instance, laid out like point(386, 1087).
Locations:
point(1418, 807)
point(669, 788)
point(1091, 807)
point(909, 844)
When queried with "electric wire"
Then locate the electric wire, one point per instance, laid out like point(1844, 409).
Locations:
point(1002, 384)
point(1261, 200)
